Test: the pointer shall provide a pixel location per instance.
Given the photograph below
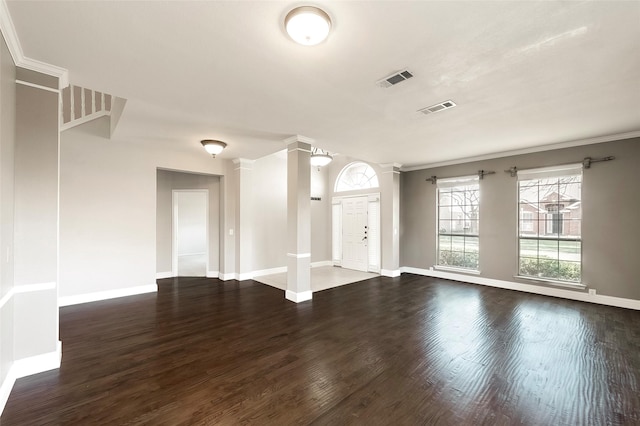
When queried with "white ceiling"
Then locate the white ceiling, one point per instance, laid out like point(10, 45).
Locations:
point(524, 74)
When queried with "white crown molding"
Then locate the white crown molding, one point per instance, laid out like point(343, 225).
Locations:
point(243, 163)
point(11, 37)
point(540, 148)
point(390, 165)
point(299, 138)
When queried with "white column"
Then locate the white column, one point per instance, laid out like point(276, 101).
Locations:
point(244, 207)
point(298, 219)
point(390, 219)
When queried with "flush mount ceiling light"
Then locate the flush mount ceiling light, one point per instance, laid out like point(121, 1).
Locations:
point(213, 146)
point(307, 25)
point(319, 157)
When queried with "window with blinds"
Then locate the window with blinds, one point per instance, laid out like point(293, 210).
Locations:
point(550, 223)
point(458, 222)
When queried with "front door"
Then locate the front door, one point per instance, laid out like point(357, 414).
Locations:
point(354, 233)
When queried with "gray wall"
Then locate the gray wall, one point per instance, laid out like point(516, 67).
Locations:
point(36, 221)
point(320, 215)
point(108, 206)
point(7, 147)
point(610, 200)
point(167, 181)
point(270, 213)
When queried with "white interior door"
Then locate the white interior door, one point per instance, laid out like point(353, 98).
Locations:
point(190, 243)
point(354, 233)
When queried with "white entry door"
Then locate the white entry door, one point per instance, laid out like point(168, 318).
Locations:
point(354, 233)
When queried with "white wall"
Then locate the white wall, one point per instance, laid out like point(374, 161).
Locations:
point(191, 232)
point(108, 207)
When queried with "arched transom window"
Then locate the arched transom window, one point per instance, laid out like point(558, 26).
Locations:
point(356, 176)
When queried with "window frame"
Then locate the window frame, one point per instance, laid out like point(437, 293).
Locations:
point(458, 182)
point(564, 171)
point(344, 172)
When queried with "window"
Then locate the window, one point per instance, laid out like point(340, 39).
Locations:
point(550, 243)
point(527, 220)
point(356, 176)
point(458, 222)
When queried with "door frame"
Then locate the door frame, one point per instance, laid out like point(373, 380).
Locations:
point(174, 229)
point(336, 235)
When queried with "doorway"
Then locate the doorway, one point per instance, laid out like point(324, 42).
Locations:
point(190, 248)
point(356, 232)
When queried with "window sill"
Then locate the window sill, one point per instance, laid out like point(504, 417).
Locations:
point(576, 286)
point(454, 269)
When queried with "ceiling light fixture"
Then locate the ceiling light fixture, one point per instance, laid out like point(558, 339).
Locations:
point(307, 25)
point(213, 146)
point(319, 157)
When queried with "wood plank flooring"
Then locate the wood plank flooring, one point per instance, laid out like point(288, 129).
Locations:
point(402, 351)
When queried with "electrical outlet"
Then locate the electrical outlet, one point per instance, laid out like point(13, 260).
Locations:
point(231, 231)
point(592, 292)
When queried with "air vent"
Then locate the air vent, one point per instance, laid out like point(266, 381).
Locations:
point(394, 78)
point(438, 107)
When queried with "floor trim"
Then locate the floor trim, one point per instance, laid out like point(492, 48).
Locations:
point(104, 295)
point(163, 275)
point(578, 295)
point(213, 274)
point(26, 367)
point(298, 297)
point(392, 273)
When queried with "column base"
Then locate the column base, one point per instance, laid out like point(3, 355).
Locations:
point(298, 297)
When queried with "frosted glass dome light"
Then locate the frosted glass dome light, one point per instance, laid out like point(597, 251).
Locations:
point(213, 147)
point(307, 25)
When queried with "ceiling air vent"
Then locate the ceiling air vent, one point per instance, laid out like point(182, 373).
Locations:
point(438, 107)
point(394, 78)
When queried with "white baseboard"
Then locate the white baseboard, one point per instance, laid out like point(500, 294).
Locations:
point(271, 271)
point(104, 295)
point(213, 274)
point(244, 276)
point(38, 364)
point(298, 297)
point(163, 275)
point(392, 273)
point(578, 295)
point(26, 367)
point(5, 389)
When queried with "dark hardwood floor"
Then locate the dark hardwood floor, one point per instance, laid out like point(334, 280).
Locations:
point(404, 351)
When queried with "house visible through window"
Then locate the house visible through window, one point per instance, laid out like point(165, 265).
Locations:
point(458, 222)
point(550, 237)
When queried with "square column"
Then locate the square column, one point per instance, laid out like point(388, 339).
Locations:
point(390, 214)
point(243, 219)
point(298, 219)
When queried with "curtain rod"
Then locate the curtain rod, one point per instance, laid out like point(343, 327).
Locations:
point(481, 174)
point(586, 163)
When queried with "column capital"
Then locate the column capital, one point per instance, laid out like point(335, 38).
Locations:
point(243, 163)
point(299, 138)
point(390, 167)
